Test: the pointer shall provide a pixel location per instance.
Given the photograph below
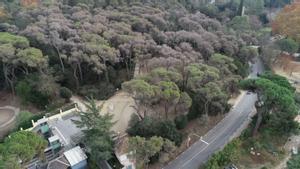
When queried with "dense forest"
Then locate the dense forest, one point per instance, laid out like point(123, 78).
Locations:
point(92, 47)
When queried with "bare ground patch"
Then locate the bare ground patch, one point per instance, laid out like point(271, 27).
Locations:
point(7, 120)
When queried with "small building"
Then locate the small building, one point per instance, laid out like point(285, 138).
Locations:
point(43, 127)
point(77, 158)
point(54, 143)
point(74, 158)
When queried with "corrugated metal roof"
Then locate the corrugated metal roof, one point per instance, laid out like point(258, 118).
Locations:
point(75, 155)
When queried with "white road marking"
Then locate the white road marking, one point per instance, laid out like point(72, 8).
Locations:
point(214, 139)
point(229, 116)
point(204, 141)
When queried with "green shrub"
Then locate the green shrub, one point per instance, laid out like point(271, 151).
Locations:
point(24, 119)
point(209, 10)
point(242, 69)
point(149, 127)
point(181, 121)
point(23, 90)
point(167, 129)
point(297, 97)
point(240, 23)
point(222, 158)
point(65, 93)
point(28, 94)
point(100, 92)
point(294, 162)
point(288, 45)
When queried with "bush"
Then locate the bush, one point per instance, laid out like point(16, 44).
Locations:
point(242, 69)
point(100, 92)
point(240, 23)
point(209, 10)
point(294, 162)
point(24, 119)
point(288, 45)
point(181, 122)
point(247, 53)
point(23, 90)
point(149, 127)
point(297, 97)
point(222, 158)
point(28, 94)
point(167, 129)
point(144, 128)
point(65, 93)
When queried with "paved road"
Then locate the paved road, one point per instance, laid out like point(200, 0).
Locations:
point(220, 135)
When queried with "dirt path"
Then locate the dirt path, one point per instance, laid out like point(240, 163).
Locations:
point(294, 78)
point(5, 115)
point(8, 116)
point(120, 105)
point(79, 101)
point(282, 164)
point(293, 141)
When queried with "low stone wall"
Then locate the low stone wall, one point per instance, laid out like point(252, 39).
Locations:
point(8, 125)
point(57, 116)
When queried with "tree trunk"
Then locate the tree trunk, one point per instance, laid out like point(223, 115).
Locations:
point(106, 76)
point(258, 123)
point(127, 68)
point(166, 110)
point(5, 72)
point(8, 80)
point(137, 109)
point(206, 110)
point(60, 59)
point(26, 71)
point(80, 71)
point(75, 76)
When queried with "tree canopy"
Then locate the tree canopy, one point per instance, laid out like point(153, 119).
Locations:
point(97, 131)
point(21, 147)
point(277, 96)
point(287, 22)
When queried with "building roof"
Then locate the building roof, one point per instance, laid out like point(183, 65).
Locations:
point(75, 155)
point(59, 163)
point(53, 138)
point(66, 130)
point(44, 128)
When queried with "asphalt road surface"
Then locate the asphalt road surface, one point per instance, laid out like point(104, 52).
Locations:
point(198, 153)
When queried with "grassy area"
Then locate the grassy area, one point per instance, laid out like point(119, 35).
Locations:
point(248, 152)
point(262, 150)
